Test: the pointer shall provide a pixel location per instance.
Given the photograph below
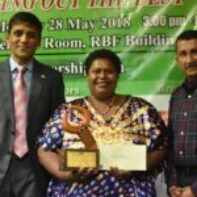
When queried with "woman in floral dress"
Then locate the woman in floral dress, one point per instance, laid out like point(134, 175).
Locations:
point(115, 118)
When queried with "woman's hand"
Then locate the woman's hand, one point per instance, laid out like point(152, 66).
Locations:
point(120, 174)
point(52, 161)
point(83, 174)
point(175, 191)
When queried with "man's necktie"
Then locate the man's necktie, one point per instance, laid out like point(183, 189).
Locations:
point(20, 103)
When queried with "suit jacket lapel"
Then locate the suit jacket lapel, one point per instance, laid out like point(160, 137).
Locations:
point(36, 88)
point(6, 88)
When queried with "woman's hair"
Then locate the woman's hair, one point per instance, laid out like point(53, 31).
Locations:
point(103, 54)
point(25, 17)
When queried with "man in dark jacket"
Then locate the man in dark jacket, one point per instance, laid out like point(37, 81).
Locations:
point(182, 168)
point(29, 94)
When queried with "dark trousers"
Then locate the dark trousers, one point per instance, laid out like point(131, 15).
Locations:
point(20, 180)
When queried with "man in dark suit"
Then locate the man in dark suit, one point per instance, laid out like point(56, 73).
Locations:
point(20, 174)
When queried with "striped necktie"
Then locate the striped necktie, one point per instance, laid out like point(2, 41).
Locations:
point(20, 103)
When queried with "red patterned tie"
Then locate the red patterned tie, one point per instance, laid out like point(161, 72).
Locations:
point(20, 103)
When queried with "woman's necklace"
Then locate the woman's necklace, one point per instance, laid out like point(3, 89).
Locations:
point(99, 109)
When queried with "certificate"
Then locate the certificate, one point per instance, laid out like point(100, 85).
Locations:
point(80, 158)
point(125, 157)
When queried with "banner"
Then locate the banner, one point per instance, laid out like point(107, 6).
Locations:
point(141, 32)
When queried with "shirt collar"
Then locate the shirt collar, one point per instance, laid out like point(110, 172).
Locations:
point(14, 65)
point(189, 87)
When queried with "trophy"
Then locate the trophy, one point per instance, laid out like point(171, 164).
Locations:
point(79, 158)
point(103, 154)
